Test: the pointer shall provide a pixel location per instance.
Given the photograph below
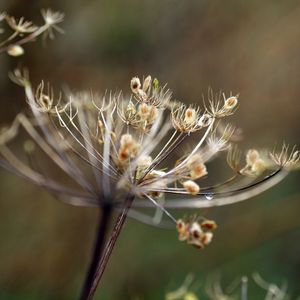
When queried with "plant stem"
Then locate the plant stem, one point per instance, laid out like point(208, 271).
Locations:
point(110, 245)
point(97, 252)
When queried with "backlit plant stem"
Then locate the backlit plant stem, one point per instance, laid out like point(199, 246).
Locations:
point(109, 246)
point(105, 218)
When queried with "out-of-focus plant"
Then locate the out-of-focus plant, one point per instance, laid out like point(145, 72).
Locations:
point(238, 290)
point(113, 151)
point(17, 32)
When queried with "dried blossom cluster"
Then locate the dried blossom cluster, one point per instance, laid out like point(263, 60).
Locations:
point(196, 232)
point(14, 33)
point(118, 150)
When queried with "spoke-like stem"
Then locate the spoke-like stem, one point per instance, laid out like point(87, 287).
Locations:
point(110, 245)
point(97, 252)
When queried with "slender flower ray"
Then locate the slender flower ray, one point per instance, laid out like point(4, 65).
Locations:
point(86, 160)
point(92, 152)
point(161, 207)
point(22, 120)
point(149, 144)
point(59, 162)
point(221, 184)
point(63, 162)
point(75, 138)
point(24, 171)
point(182, 191)
point(108, 127)
point(81, 156)
point(89, 147)
point(236, 196)
point(168, 151)
point(164, 147)
point(148, 220)
point(106, 156)
point(212, 190)
point(194, 150)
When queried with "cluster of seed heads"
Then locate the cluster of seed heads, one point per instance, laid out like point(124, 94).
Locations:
point(113, 147)
point(195, 232)
point(17, 32)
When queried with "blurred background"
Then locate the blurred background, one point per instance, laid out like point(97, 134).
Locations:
point(247, 47)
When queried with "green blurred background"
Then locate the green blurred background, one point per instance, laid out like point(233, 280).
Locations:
point(247, 47)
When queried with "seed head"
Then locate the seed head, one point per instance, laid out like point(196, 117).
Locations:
point(230, 103)
point(147, 83)
point(196, 231)
point(207, 238)
point(183, 230)
point(190, 116)
point(135, 84)
point(113, 146)
point(205, 120)
point(15, 50)
point(286, 158)
point(191, 187)
point(209, 224)
point(252, 156)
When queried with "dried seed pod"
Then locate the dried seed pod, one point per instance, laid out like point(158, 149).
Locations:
point(135, 84)
point(15, 50)
point(147, 83)
point(183, 230)
point(191, 187)
point(196, 230)
point(209, 224)
point(230, 103)
point(190, 116)
point(205, 120)
point(207, 238)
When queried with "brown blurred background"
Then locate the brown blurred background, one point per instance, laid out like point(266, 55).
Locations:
point(247, 47)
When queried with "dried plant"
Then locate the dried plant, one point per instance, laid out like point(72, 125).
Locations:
point(113, 148)
point(237, 290)
point(18, 32)
point(118, 153)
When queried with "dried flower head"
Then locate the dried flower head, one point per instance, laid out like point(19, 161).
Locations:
point(21, 31)
point(186, 119)
point(51, 19)
point(286, 158)
point(218, 108)
point(128, 144)
point(150, 92)
point(21, 26)
point(195, 232)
